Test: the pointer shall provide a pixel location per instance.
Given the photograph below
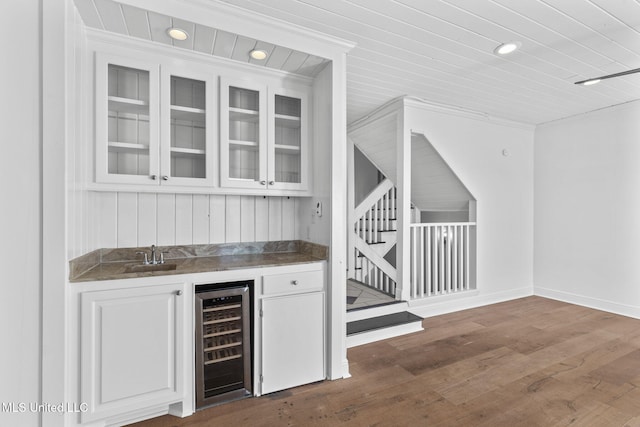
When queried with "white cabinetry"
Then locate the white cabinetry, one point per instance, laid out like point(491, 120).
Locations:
point(154, 123)
point(127, 116)
point(264, 140)
point(131, 342)
point(292, 315)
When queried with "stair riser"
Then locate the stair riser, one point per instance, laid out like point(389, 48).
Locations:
point(382, 334)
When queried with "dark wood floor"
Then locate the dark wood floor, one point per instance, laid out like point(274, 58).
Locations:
point(527, 362)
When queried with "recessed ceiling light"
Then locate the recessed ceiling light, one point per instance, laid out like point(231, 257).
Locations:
point(591, 82)
point(177, 34)
point(506, 48)
point(258, 54)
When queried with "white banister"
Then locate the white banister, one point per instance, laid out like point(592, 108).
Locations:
point(440, 258)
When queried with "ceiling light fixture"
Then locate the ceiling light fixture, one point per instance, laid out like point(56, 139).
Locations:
point(177, 34)
point(595, 80)
point(506, 48)
point(590, 82)
point(258, 54)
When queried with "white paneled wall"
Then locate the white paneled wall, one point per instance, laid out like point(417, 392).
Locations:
point(141, 219)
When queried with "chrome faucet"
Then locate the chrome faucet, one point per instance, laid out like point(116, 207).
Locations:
point(154, 259)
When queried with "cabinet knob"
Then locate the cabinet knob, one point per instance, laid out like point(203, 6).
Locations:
point(294, 282)
point(154, 177)
point(263, 182)
point(178, 293)
point(271, 182)
point(165, 178)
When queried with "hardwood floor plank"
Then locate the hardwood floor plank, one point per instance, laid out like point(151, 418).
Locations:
point(527, 362)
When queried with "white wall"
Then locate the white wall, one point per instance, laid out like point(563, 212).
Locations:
point(21, 214)
point(587, 209)
point(472, 146)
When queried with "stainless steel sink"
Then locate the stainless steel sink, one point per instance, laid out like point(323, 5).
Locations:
point(140, 268)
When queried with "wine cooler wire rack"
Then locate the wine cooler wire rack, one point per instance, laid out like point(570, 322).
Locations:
point(221, 333)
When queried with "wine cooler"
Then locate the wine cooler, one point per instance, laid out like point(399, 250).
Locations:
point(223, 342)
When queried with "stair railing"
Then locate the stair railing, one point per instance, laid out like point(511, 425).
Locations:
point(374, 234)
point(367, 272)
point(441, 258)
point(376, 213)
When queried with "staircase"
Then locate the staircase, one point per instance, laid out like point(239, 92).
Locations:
point(374, 235)
point(435, 259)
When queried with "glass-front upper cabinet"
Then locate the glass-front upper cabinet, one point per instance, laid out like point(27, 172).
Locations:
point(287, 154)
point(188, 113)
point(264, 136)
point(154, 124)
point(243, 134)
point(127, 114)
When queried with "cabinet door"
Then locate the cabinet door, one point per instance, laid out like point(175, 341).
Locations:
point(131, 341)
point(243, 134)
point(188, 111)
point(293, 351)
point(127, 116)
point(288, 140)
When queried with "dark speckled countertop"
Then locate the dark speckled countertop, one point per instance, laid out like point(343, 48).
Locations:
point(109, 264)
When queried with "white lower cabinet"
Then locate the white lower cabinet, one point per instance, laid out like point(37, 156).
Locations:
point(293, 330)
point(131, 341)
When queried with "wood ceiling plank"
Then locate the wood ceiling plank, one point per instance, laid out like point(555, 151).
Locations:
point(89, 14)
point(600, 24)
point(294, 61)
point(158, 25)
point(311, 66)
point(278, 57)
point(224, 43)
point(111, 16)
point(429, 23)
point(137, 22)
point(203, 39)
point(241, 49)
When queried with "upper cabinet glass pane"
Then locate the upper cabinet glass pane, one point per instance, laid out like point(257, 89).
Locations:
point(244, 133)
point(128, 121)
point(288, 134)
point(188, 128)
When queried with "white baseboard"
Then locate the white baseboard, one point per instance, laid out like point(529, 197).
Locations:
point(345, 369)
point(436, 306)
point(585, 301)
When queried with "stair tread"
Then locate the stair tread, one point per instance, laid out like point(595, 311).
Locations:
point(380, 322)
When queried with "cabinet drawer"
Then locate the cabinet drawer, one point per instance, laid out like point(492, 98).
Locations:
point(303, 281)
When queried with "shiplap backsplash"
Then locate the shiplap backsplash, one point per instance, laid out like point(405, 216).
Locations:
point(142, 219)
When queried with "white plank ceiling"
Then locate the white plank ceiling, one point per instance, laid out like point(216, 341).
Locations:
point(131, 21)
point(442, 50)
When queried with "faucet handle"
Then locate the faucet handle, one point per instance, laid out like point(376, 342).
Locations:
point(162, 257)
point(146, 257)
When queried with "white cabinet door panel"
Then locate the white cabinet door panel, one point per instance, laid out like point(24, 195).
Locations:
point(129, 345)
point(292, 341)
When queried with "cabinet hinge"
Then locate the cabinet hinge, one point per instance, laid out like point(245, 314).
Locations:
point(261, 379)
point(261, 313)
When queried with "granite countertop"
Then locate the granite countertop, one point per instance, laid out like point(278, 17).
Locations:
point(124, 263)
